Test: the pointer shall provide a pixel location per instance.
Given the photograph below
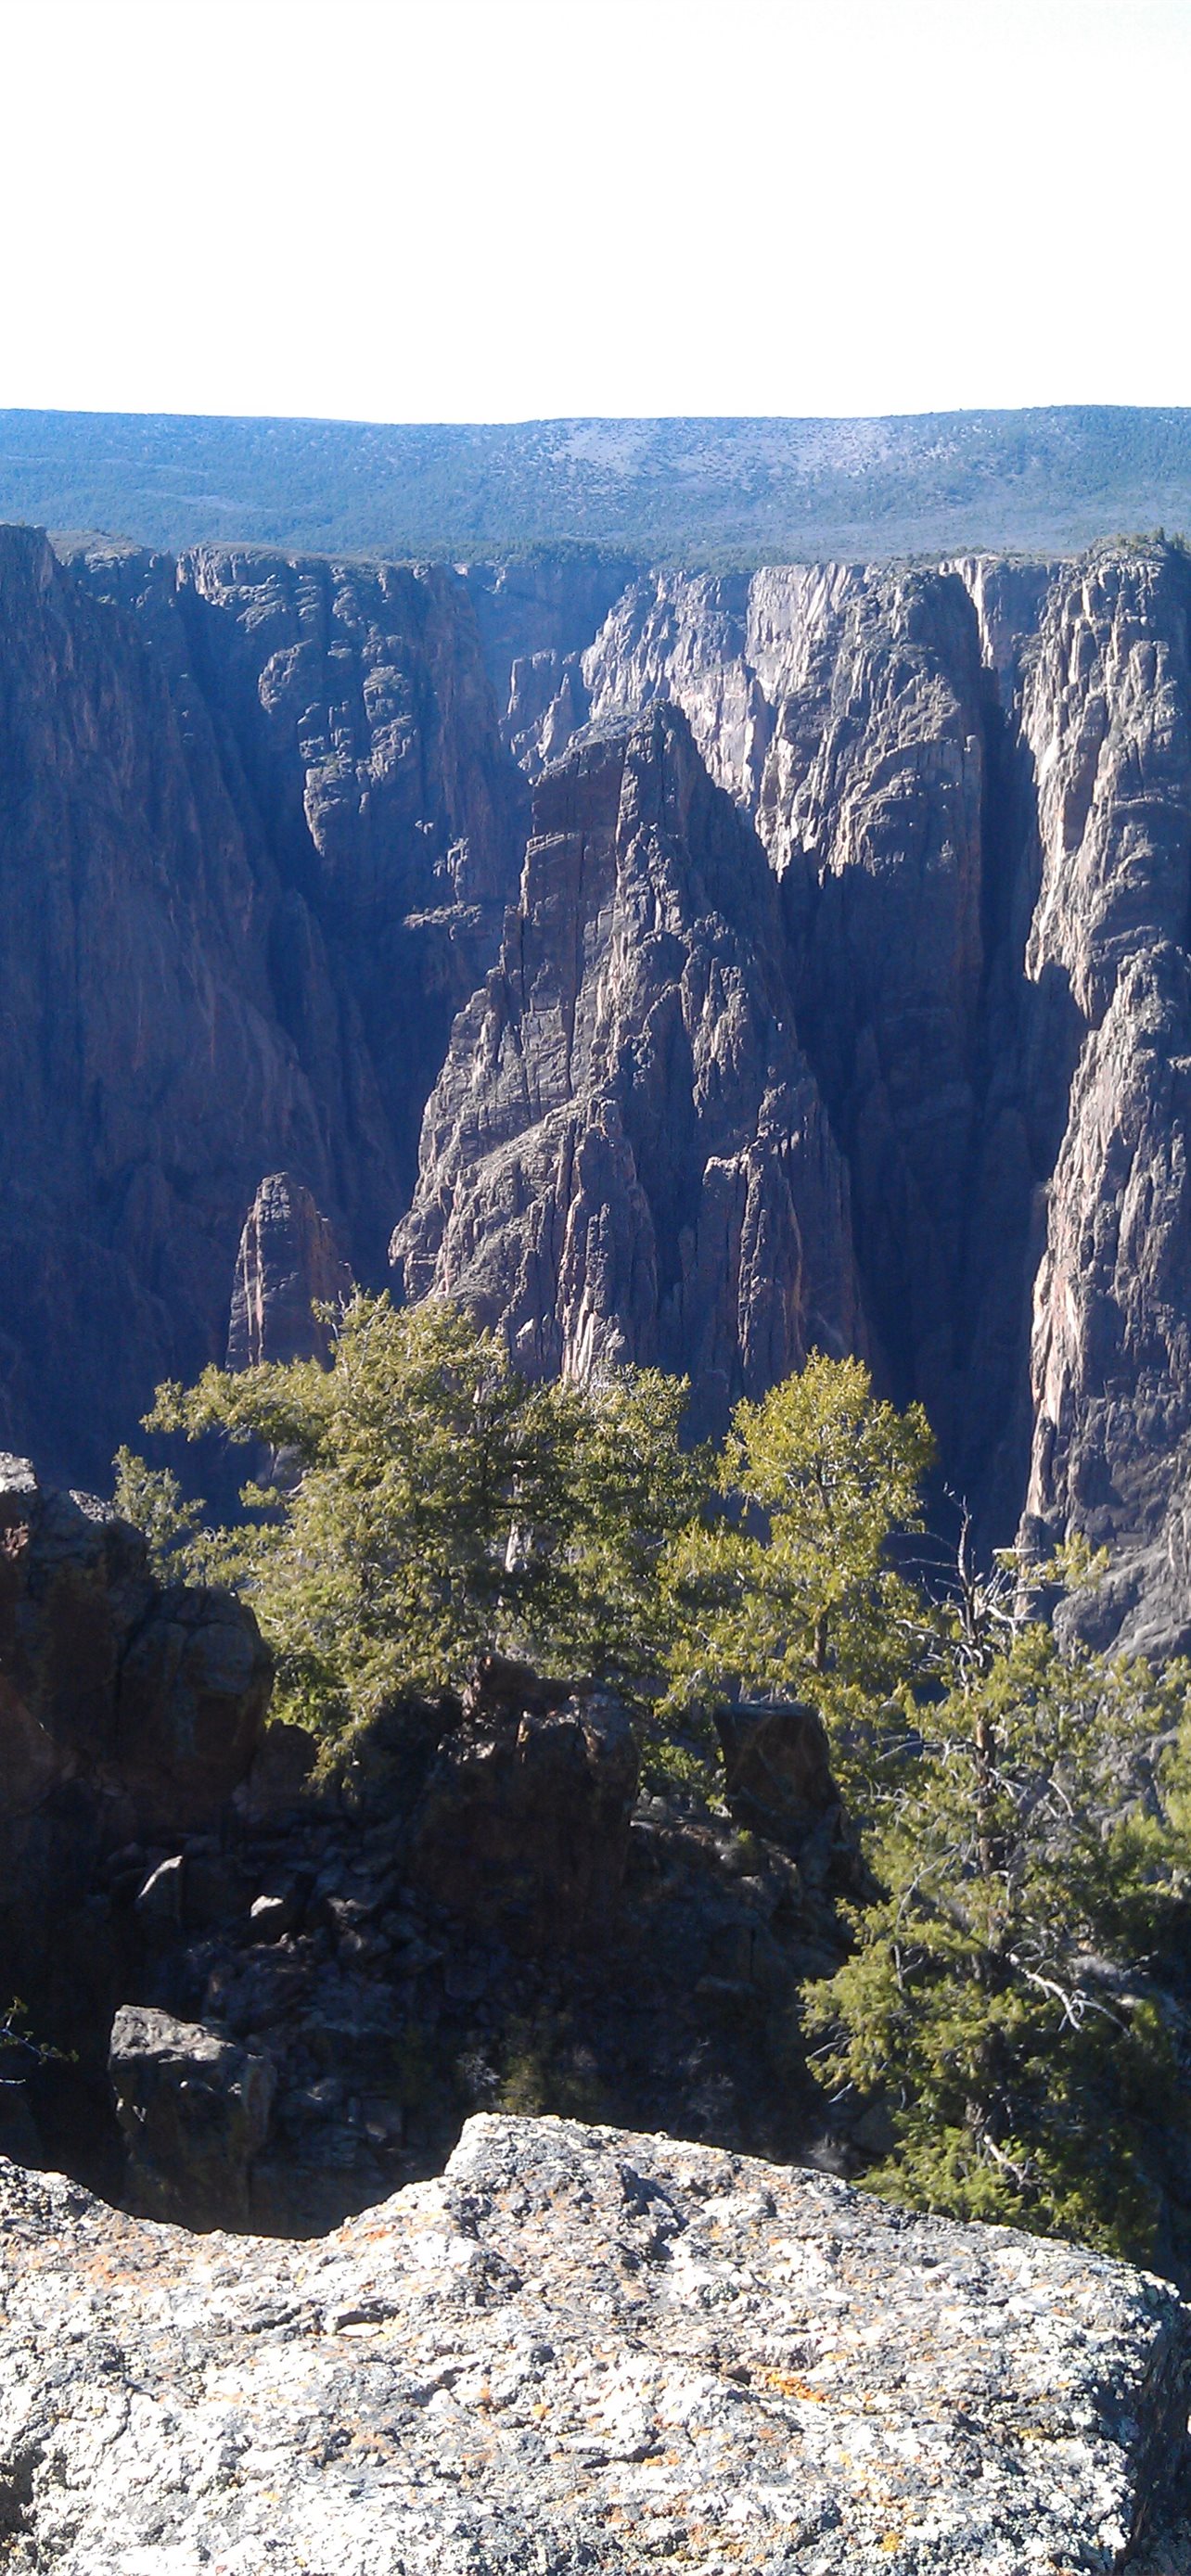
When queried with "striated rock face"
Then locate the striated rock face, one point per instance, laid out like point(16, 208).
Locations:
point(365, 721)
point(685, 637)
point(871, 807)
point(287, 1264)
point(1108, 716)
point(257, 834)
point(144, 1074)
point(535, 619)
point(580, 2349)
point(855, 716)
point(626, 1157)
point(974, 787)
point(357, 728)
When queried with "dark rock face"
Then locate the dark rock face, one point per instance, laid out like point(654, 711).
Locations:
point(473, 1910)
point(871, 805)
point(777, 1772)
point(626, 1157)
point(144, 1074)
point(287, 1264)
point(193, 1689)
point(194, 2110)
point(313, 1976)
point(150, 1699)
point(257, 832)
point(126, 1711)
point(523, 1825)
point(535, 619)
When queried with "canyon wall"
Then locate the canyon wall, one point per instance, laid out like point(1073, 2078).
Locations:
point(836, 988)
point(973, 786)
point(257, 832)
point(626, 1157)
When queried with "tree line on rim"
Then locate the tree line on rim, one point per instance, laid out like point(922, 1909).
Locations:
point(1024, 1809)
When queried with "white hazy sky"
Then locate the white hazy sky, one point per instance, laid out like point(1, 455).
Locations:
point(508, 209)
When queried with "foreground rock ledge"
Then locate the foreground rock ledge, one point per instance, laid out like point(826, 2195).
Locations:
point(579, 2350)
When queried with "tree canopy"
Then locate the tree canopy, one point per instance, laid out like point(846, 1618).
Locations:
point(1028, 1838)
point(416, 1503)
point(785, 1584)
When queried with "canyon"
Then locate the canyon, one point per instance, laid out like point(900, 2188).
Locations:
point(688, 969)
point(685, 968)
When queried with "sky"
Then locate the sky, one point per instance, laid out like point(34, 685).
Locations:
point(493, 210)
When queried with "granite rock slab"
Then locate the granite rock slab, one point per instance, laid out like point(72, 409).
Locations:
point(578, 2350)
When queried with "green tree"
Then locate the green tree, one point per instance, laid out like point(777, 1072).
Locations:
point(788, 1587)
point(1026, 1837)
point(153, 1500)
point(423, 1504)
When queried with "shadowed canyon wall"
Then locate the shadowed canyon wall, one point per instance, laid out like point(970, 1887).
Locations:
point(837, 988)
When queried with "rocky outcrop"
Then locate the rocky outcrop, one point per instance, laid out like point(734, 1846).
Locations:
point(152, 1698)
point(310, 1973)
point(626, 1157)
point(470, 1907)
point(288, 1263)
point(523, 1826)
point(127, 1711)
point(194, 2111)
point(857, 718)
point(777, 1775)
point(583, 2349)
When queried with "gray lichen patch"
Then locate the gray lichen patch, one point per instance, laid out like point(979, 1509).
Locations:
point(579, 2350)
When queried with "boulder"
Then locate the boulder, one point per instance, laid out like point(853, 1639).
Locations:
point(74, 1586)
point(523, 1825)
point(193, 1690)
point(777, 1769)
point(581, 2349)
point(279, 1774)
point(194, 2110)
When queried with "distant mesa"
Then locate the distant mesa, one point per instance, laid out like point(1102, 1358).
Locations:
point(719, 493)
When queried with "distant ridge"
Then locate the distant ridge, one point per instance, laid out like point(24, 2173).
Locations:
point(719, 493)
